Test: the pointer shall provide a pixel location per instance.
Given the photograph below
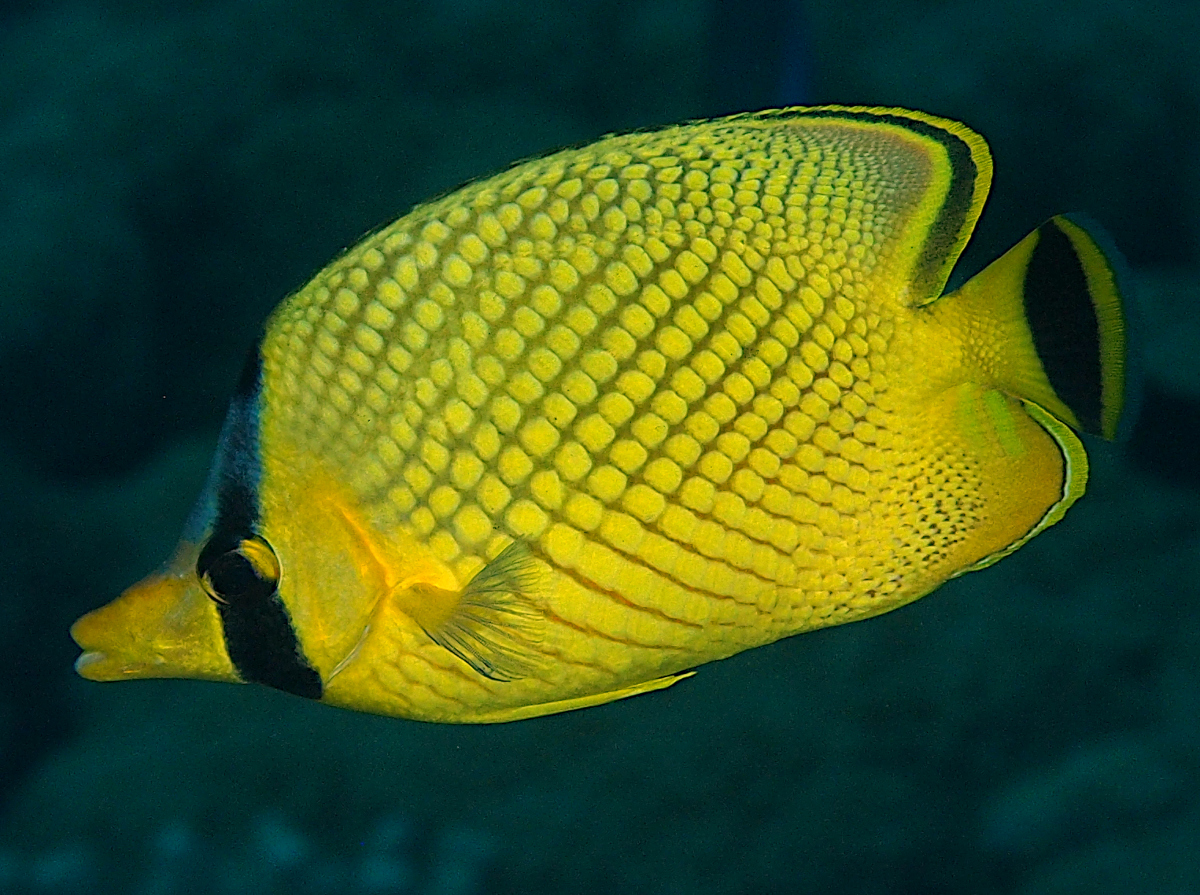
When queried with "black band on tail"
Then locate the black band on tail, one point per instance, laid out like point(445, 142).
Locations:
point(1062, 318)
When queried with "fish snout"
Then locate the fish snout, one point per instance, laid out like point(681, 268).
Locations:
point(162, 627)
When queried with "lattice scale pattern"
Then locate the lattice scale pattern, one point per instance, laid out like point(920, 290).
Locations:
point(660, 362)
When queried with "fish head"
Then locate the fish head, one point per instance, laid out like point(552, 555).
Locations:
point(165, 626)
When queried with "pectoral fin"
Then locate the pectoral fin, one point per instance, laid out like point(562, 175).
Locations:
point(492, 623)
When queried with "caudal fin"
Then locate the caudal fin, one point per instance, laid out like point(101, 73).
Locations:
point(1076, 309)
point(1065, 283)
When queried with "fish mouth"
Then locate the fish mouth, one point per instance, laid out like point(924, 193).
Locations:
point(85, 665)
point(111, 647)
point(94, 663)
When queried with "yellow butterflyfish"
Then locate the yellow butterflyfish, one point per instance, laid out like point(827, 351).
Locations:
point(570, 431)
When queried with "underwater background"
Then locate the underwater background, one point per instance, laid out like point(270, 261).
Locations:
point(169, 172)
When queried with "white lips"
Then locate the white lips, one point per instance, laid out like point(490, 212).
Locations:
point(88, 658)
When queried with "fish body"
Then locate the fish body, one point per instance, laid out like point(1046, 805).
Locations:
point(575, 429)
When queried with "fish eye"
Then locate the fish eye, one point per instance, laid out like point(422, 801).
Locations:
point(248, 571)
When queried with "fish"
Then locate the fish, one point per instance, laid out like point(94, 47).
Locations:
point(573, 430)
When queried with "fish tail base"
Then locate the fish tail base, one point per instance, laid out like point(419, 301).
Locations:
point(1058, 300)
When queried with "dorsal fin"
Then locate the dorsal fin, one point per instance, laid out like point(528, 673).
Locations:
point(938, 175)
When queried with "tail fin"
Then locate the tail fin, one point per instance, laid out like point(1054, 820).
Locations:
point(1065, 283)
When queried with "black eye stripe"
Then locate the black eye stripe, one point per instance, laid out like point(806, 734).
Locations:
point(259, 635)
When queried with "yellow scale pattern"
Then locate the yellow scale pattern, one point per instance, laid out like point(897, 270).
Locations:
point(657, 363)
